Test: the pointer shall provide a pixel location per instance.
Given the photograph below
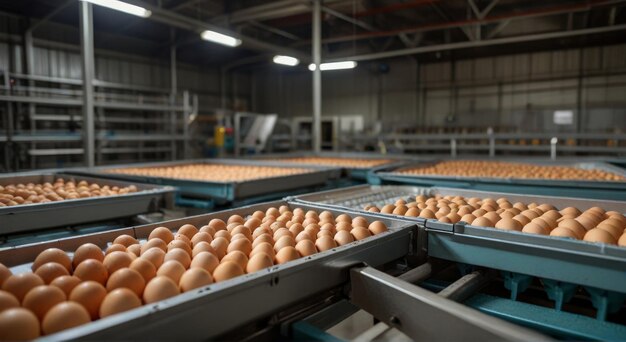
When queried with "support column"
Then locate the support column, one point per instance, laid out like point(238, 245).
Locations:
point(174, 89)
point(317, 77)
point(88, 60)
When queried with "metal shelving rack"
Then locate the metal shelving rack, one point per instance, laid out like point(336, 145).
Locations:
point(43, 119)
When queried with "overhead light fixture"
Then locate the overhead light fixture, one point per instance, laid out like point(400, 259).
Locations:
point(220, 38)
point(122, 7)
point(286, 60)
point(334, 66)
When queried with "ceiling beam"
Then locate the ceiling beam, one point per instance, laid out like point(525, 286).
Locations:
point(49, 16)
point(481, 43)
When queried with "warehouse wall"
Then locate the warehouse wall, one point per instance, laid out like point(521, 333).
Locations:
point(478, 92)
point(61, 59)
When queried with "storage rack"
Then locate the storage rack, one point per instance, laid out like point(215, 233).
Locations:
point(43, 116)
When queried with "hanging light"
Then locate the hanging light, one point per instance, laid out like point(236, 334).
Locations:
point(122, 7)
point(334, 66)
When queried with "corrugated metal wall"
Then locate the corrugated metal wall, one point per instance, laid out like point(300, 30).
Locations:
point(519, 92)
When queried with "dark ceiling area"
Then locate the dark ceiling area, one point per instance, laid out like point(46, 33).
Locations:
point(349, 27)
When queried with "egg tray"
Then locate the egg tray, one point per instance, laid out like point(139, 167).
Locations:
point(29, 217)
point(356, 173)
point(223, 191)
point(219, 308)
point(572, 261)
point(549, 187)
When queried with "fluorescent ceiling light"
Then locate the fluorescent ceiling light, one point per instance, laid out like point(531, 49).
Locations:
point(220, 38)
point(286, 60)
point(122, 6)
point(334, 66)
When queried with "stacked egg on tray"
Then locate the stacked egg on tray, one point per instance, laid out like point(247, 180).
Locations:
point(493, 169)
point(339, 162)
point(211, 172)
point(593, 225)
point(65, 290)
point(17, 194)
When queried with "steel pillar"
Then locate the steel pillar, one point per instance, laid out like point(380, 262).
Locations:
point(88, 61)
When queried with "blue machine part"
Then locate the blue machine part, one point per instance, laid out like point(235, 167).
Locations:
point(558, 291)
point(303, 331)
point(605, 302)
point(560, 324)
point(516, 283)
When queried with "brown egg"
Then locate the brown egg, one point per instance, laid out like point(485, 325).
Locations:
point(534, 228)
point(482, 222)
point(616, 232)
point(377, 227)
point(5, 273)
point(587, 221)
point(7, 301)
point(264, 247)
point(564, 232)
point(325, 243)
point(454, 217)
point(286, 254)
point(155, 256)
point(87, 251)
point(116, 260)
point(237, 257)
point(343, 237)
point(50, 271)
point(207, 229)
point(199, 237)
point(64, 316)
point(144, 267)
point(325, 233)
point(89, 294)
point(154, 243)
point(312, 229)
point(42, 298)
point(20, 284)
point(282, 232)
point(237, 219)
point(171, 269)
point(242, 230)
point(243, 245)
point(135, 249)
point(427, 214)
point(125, 240)
point(468, 218)
point(509, 224)
point(118, 301)
point(162, 233)
point(206, 261)
point(622, 240)
point(258, 262)
point(552, 214)
point(522, 219)
point(52, 255)
point(200, 247)
point(346, 226)
point(284, 241)
point(66, 283)
point(530, 214)
point(570, 211)
point(179, 255)
point(261, 239)
point(227, 270)
point(303, 236)
point(360, 233)
point(126, 278)
point(195, 278)
point(492, 216)
point(542, 223)
point(574, 226)
point(181, 238)
point(178, 244)
point(18, 324)
point(306, 248)
point(159, 288)
point(479, 212)
point(220, 246)
point(253, 222)
point(217, 224)
point(188, 230)
point(599, 235)
point(444, 219)
point(116, 247)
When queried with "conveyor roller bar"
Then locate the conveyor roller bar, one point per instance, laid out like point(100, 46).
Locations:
point(403, 305)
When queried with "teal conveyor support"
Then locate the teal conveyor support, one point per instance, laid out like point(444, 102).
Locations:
point(516, 283)
point(194, 203)
point(303, 331)
point(558, 291)
point(560, 324)
point(605, 302)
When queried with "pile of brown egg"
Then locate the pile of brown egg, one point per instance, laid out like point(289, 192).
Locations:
point(11, 195)
point(593, 225)
point(65, 290)
point(341, 162)
point(493, 169)
point(211, 172)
